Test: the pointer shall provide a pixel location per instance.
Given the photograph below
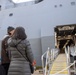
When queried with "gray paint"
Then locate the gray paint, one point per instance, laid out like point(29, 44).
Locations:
point(40, 45)
point(0, 50)
point(37, 50)
point(46, 42)
point(39, 21)
point(37, 16)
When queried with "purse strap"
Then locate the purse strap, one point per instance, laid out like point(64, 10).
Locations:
point(20, 53)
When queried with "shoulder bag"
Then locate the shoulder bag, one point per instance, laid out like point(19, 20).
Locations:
point(31, 66)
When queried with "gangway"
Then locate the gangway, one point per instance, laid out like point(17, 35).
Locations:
point(60, 65)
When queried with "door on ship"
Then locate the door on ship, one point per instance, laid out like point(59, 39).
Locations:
point(63, 35)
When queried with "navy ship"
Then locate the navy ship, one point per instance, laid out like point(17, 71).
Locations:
point(40, 19)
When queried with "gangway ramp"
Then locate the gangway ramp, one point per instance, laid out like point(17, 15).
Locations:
point(59, 64)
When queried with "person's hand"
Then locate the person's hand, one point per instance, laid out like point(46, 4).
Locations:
point(34, 63)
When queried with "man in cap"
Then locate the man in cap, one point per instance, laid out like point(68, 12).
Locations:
point(5, 60)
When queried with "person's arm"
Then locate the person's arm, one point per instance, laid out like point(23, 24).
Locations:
point(30, 54)
point(4, 52)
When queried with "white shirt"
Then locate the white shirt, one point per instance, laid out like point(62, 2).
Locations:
point(9, 40)
point(5, 36)
point(73, 50)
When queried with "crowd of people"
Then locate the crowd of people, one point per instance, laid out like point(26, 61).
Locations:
point(14, 43)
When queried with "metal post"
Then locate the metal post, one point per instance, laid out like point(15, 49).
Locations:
point(69, 60)
point(75, 68)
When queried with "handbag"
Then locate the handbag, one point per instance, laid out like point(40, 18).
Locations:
point(31, 66)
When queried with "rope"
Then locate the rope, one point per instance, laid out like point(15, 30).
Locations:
point(65, 68)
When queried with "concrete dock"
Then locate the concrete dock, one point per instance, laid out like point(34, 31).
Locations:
point(37, 73)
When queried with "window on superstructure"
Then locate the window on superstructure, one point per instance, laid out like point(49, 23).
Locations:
point(0, 7)
point(72, 3)
point(11, 14)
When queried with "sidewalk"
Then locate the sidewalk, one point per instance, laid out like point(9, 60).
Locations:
point(37, 73)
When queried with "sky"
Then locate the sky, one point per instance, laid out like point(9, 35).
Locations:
point(19, 1)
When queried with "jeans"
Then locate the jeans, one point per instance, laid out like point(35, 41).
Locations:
point(6, 67)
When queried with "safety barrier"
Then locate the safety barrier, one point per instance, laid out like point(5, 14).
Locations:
point(47, 60)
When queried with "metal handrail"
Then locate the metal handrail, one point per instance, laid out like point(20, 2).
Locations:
point(45, 70)
point(44, 66)
point(50, 56)
point(67, 52)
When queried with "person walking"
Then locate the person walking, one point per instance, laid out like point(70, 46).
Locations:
point(5, 61)
point(19, 44)
point(72, 50)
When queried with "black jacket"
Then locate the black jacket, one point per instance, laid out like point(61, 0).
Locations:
point(4, 52)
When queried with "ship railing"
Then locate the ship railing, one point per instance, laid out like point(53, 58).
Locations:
point(67, 52)
point(69, 64)
point(47, 60)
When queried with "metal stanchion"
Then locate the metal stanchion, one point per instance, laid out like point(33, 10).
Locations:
point(75, 68)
